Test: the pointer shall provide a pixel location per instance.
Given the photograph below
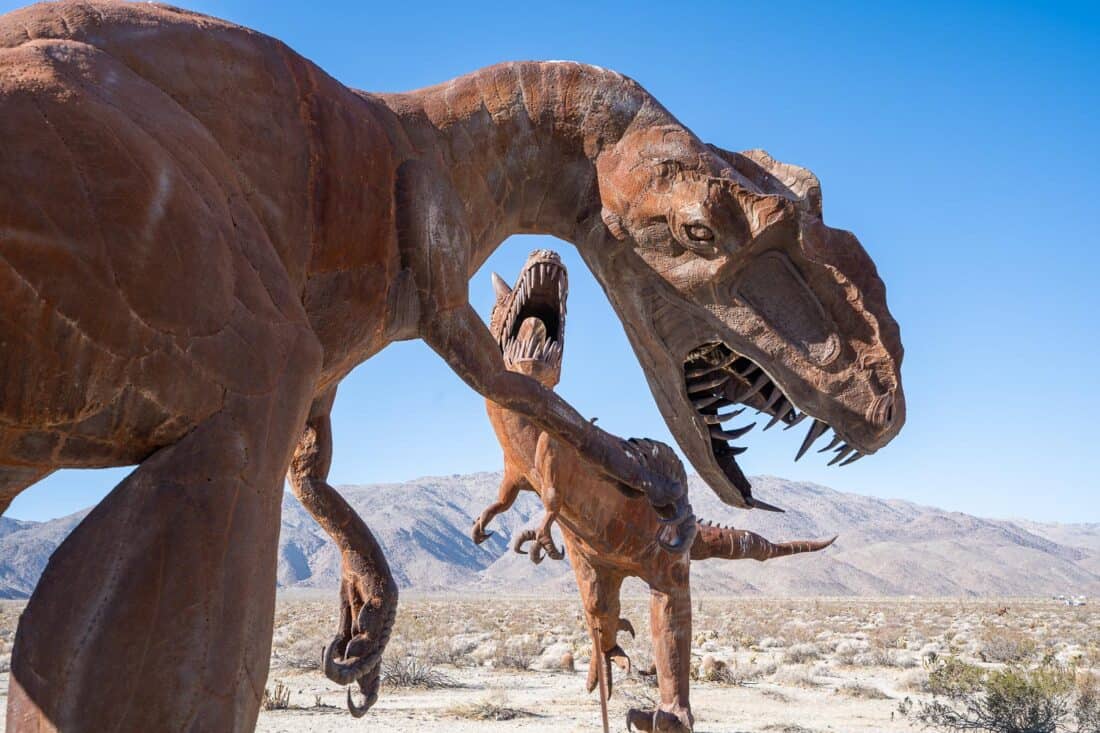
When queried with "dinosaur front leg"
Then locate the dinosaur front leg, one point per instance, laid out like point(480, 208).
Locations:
point(510, 485)
point(368, 593)
point(670, 621)
point(462, 339)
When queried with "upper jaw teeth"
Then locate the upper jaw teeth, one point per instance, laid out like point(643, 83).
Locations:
point(707, 380)
point(539, 274)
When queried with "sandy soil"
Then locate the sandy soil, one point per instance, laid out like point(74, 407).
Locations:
point(762, 666)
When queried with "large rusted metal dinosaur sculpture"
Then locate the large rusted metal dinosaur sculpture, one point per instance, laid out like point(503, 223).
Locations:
point(609, 535)
point(202, 233)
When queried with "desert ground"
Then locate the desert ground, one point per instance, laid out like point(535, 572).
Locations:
point(761, 665)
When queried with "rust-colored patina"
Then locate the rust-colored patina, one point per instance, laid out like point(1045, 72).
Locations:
point(609, 534)
point(202, 233)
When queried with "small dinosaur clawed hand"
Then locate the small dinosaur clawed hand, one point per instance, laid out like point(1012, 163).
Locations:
point(479, 534)
point(543, 543)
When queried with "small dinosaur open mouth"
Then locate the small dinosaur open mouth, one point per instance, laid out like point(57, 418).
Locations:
point(716, 377)
point(534, 326)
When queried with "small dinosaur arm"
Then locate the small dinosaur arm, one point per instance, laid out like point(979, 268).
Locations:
point(609, 534)
point(202, 233)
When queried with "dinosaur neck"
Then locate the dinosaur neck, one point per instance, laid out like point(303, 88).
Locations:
point(521, 142)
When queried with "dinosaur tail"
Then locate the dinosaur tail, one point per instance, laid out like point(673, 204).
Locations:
point(739, 544)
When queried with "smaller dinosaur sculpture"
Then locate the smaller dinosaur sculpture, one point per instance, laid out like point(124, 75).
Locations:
point(609, 534)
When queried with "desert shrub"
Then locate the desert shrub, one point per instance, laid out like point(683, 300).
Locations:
point(408, 670)
point(302, 654)
point(493, 707)
point(801, 653)
point(1041, 699)
point(277, 698)
point(440, 650)
point(519, 654)
point(1009, 647)
point(862, 692)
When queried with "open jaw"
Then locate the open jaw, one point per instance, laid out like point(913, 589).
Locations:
point(716, 377)
point(533, 332)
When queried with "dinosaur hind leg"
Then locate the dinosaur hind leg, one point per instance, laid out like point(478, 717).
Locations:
point(670, 622)
point(156, 612)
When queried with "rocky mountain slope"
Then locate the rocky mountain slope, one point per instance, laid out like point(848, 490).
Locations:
point(886, 547)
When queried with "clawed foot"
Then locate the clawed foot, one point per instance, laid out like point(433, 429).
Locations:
point(479, 534)
point(615, 655)
point(543, 543)
point(368, 606)
point(659, 720)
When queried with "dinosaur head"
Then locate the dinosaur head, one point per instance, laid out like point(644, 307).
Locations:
point(528, 320)
point(734, 294)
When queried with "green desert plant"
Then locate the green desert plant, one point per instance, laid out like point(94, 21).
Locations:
point(1040, 699)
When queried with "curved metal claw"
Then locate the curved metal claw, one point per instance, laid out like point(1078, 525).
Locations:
point(521, 539)
point(553, 552)
point(479, 534)
point(368, 685)
point(346, 672)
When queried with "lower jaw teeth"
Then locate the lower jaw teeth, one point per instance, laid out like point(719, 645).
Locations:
point(707, 385)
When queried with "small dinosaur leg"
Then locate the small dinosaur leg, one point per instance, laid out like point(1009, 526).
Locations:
point(368, 592)
point(547, 466)
point(670, 621)
point(510, 486)
point(599, 587)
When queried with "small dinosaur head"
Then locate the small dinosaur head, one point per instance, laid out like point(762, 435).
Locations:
point(734, 293)
point(528, 320)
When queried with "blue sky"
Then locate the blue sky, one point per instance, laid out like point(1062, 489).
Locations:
point(961, 142)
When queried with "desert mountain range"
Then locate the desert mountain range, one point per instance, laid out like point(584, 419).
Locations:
point(885, 547)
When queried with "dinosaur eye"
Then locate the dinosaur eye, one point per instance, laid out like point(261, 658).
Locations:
point(698, 232)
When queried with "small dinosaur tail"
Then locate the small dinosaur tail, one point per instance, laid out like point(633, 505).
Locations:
point(739, 544)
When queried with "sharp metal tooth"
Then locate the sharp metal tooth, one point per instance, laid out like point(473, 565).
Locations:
point(719, 419)
point(720, 434)
point(707, 384)
point(776, 396)
point(707, 401)
point(746, 371)
point(816, 431)
point(704, 370)
point(841, 454)
point(755, 387)
point(733, 450)
point(801, 416)
point(779, 415)
point(855, 457)
point(700, 372)
point(832, 444)
point(757, 504)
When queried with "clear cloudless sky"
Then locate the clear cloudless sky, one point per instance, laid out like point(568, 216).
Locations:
point(960, 141)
